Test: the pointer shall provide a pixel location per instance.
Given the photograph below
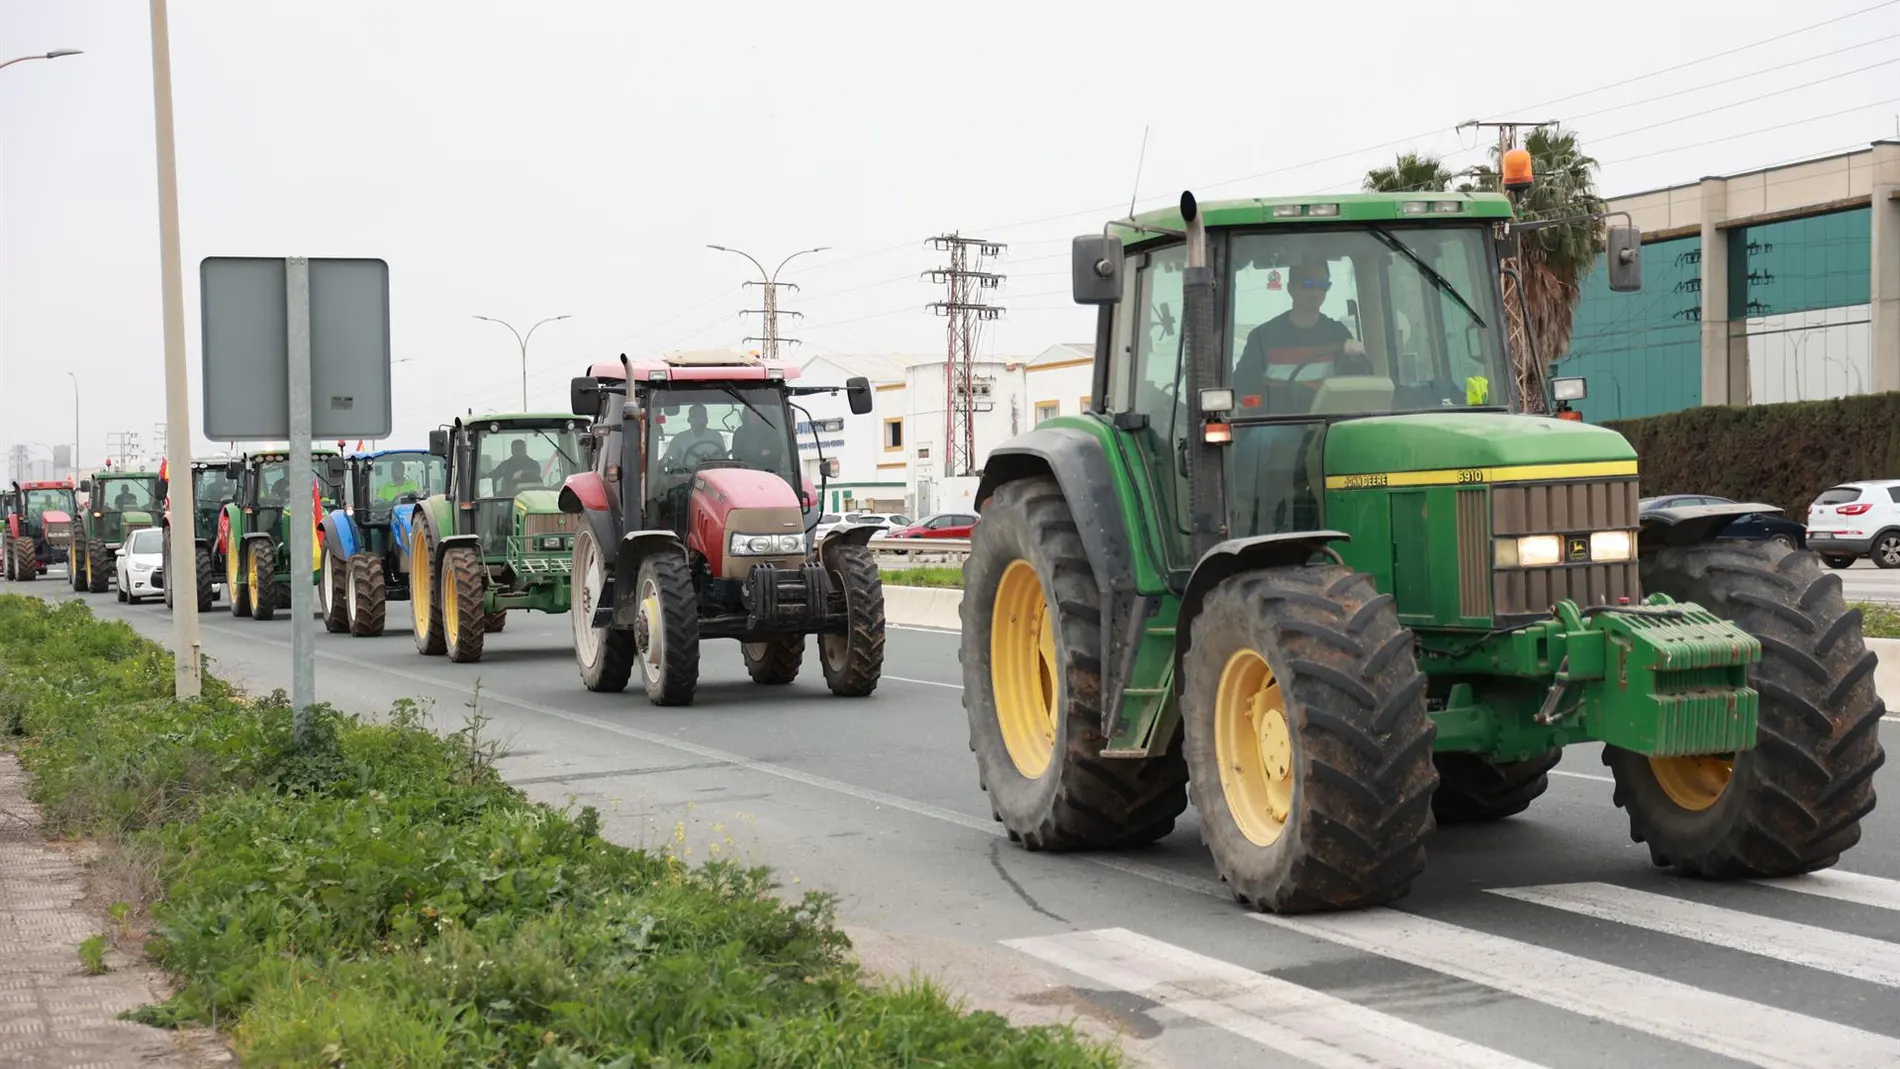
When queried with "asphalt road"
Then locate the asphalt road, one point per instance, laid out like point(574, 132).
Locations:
point(1546, 940)
point(1864, 582)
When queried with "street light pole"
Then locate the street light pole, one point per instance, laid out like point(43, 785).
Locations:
point(523, 339)
point(771, 293)
point(187, 676)
point(75, 379)
point(54, 54)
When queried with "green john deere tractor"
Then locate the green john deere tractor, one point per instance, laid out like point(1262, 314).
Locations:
point(118, 503)
point(497, 538)
point(1306, 563)
point(254, 530)
point(211, 489)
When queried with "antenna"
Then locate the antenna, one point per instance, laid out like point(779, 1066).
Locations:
point(1135, 193)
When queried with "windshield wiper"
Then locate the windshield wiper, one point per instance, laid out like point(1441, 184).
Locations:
point(1438, 280)
point(739, 397)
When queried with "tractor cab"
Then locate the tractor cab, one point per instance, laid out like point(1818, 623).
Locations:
point(377, 483)
point(119, 503)
point(260, 484)
point(498, 465)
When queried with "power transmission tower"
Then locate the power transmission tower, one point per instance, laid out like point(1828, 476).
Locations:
point(123, 443)
point(965, 312)
point(17, 463)
point(158, 435)
point(1526, 372)
point(771, 309)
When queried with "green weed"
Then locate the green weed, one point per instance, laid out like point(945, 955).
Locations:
point(925, 575)
point(92, 954)
point(1878, 619)
point(379, 896)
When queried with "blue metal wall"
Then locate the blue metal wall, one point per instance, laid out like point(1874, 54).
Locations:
point(1642, 351)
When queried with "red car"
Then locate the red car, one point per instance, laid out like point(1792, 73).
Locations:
point(942, 525)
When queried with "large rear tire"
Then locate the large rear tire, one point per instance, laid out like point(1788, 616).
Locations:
point(206, 578)
point(1031, 654)
point(603, 654)
point(25, 567)
point(425, 606)
point(776, 661)
point(99, 563)
point(260, 563)
point(368, 608)
point(463, 585)
point(854, 661)
point(334, 584)
point(234, 590)
point(76, 562)
point(1471, 789)
point(1307, 740)
point(666, 639)
point(1794, 802)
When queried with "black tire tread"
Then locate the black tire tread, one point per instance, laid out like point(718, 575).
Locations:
point(1809, 780)
point(336, 616)
point(372, 608)
point(1362, 810)
point(23, 567)
point(1101, 803)
point(855, 569)
point(99, 560)
point(784, 656)
point(1471, 789)
point(265, 597)
point(206, 578)
point(679, 619)
point(463, 567)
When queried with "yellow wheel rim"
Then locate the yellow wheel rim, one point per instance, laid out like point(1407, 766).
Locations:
point(251, 574)
point(1024, 669)
point(1694, 783)
point(451, 613)
point(419, 580)
point(1254, 746)
point(231, 570)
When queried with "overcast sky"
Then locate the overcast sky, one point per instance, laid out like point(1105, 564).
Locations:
point(576, 156)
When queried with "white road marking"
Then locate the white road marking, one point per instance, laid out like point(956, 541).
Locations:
point(1583, 775)
point(1874, 960)
point(1737, 1028)
point(1852, 887)
point(925, 682)
point(1317, 1028)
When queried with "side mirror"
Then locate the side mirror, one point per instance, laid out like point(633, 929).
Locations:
point(1095, 265)
point(1624, 254)
point(337, 467)
point(857, 389)
point(583, 396)
point(233, 469)
point(439, 443)
point(85, 487)
point(164, 489)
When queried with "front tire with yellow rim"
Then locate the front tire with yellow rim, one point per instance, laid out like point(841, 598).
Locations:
point(425, 607)
point(666, 634)
point(1794, 802)
point(1308, 743)
point(463, 588)
point(260, 576)
point(1031, 653)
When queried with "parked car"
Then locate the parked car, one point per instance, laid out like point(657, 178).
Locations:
point(942, 525)
point(142, 555)
point(1855, 520)
point(1760, 527)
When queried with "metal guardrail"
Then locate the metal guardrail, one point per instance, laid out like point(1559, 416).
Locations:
point(920, 550)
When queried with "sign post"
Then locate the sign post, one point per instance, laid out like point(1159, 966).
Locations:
point(295, 348)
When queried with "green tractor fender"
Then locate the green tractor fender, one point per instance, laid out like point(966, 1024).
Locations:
point(1687, 525)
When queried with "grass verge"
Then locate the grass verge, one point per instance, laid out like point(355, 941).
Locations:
point(1878, 619)
point(379, 897)
point(936, 576)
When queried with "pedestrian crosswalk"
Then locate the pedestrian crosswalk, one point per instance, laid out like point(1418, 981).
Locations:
point(1575, 973)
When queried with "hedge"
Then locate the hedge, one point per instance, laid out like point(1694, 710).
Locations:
point(1782, 454)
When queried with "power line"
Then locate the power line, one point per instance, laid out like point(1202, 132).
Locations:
point(1745, 76)
point(1739, 103)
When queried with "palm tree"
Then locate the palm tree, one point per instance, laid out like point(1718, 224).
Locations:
point(1410, 172)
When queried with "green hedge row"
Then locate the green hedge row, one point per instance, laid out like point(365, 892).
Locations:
point(1781, 455)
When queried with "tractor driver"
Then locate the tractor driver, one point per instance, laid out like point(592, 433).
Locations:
point(1299, 341)
point(399, 482)
point(126, 500)
point(517, 473)
point(691, 445)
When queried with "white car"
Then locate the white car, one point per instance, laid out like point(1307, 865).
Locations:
point(1855, 520)
point(138, 559)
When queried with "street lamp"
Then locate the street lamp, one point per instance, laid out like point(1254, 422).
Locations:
point(75, 379)
point(54, 54)
point(523, 339)
point(771, 293)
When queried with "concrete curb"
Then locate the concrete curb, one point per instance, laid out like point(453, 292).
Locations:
point(937, 607)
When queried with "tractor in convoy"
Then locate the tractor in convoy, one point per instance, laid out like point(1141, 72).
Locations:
point(254, 526)
point(493, 539)
point(211, 489)
point(118, 502)
point(689, 527)
point(1307, 562)
point(363, 566)
point(39, 519)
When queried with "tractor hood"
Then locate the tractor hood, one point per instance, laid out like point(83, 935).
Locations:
point(535, 502)
point(136, 518)
point(744, 488)
point(1461, 441)
point(55, 516)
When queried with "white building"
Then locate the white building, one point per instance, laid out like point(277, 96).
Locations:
point(891, 460)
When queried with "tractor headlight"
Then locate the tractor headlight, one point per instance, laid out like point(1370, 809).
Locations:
point(1539, 551)
point(1612, 545)
point(551, 542)
point(761, 545)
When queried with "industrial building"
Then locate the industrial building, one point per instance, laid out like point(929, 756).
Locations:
point(1781, 284)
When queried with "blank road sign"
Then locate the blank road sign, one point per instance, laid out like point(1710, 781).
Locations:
point(246, 349)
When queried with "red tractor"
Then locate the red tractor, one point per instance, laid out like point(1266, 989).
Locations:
point(693, 530)
point(39, 519)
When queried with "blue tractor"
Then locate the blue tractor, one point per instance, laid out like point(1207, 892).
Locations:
point(363, 564)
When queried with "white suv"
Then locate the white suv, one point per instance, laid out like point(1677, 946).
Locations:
point(1855, 520)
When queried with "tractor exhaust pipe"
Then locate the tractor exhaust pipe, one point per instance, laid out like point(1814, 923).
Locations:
point(1201, 458)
